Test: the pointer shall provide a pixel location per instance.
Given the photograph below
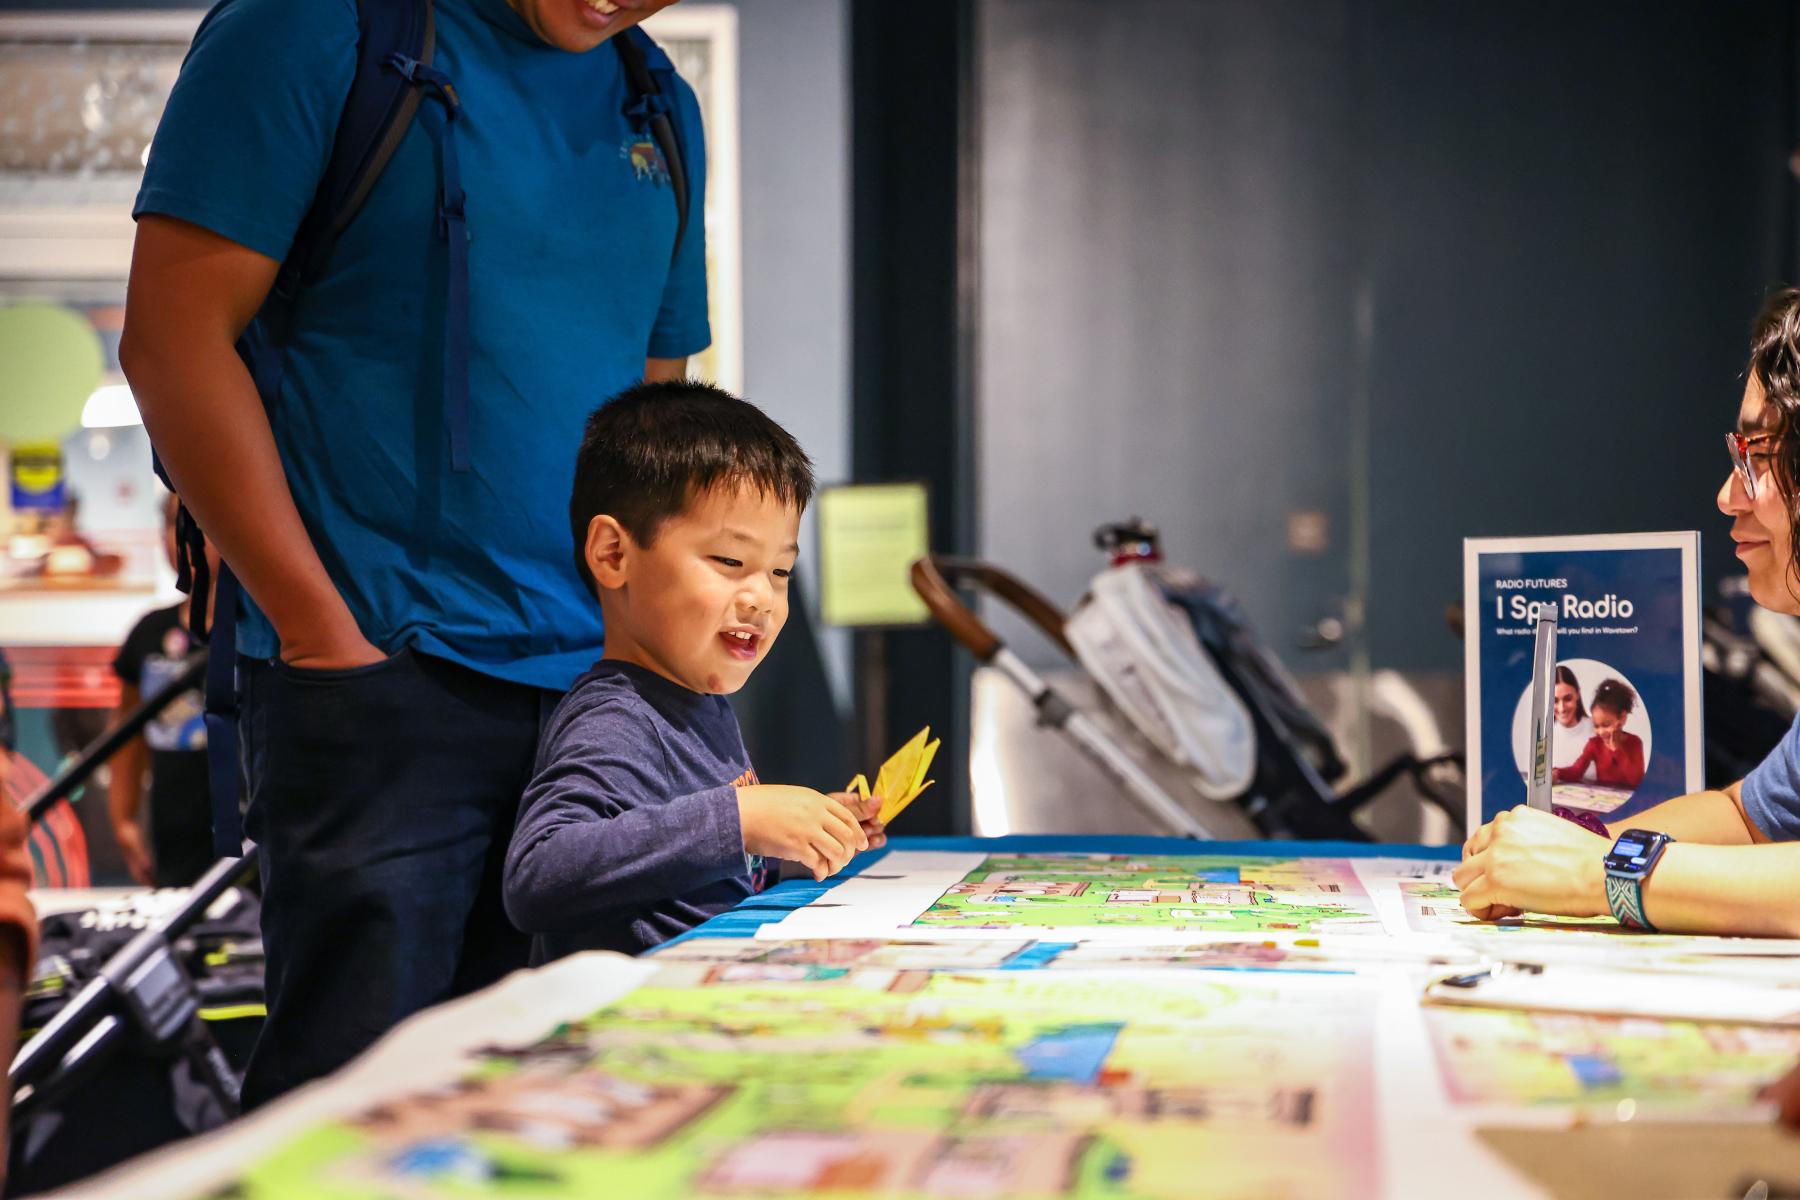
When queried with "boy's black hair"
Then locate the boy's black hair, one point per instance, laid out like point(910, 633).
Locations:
point(648, 451)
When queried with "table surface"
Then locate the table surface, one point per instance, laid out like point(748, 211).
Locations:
point(782, 899)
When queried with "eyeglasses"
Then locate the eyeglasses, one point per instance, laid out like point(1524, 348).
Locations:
point(1738, 445)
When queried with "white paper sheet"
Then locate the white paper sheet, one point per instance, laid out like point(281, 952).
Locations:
point(1689, 995)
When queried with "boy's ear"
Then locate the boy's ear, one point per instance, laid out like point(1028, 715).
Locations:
point(608, 551)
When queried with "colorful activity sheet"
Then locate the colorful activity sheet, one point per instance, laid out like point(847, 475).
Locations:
point(744, 958)
point(1436, 905)
point(882, 1082)
point(926, 894)
point(1541, 1058)
point(1036, 1025)
point(1593, 797)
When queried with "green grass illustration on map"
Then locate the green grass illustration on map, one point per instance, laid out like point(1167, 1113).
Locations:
point(1188, 892)
point(888, 1083)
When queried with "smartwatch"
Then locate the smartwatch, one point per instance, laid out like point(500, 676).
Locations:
point(1628, 865)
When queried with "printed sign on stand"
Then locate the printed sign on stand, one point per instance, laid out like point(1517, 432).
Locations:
point(1627, 728)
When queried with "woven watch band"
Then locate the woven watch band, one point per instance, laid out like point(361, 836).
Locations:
point(1626, 899)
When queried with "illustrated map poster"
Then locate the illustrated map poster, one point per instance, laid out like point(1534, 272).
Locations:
point(1259, 1026)
point(880, 1082)
point(951, 895)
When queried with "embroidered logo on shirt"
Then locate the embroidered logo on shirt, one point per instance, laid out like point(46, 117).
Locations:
point(646, 159)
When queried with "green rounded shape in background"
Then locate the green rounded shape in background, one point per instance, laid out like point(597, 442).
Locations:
point(50, 363)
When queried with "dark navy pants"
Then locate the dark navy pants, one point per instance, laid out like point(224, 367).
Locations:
point(380, 799)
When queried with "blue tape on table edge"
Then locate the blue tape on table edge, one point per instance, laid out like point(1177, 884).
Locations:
point(782, 899)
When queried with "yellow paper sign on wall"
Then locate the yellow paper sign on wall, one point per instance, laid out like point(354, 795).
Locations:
point(869, 537)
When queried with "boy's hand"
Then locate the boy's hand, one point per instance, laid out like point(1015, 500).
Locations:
point(817, 831)
point(868, 814)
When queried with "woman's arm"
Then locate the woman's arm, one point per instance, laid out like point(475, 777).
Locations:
point(125, 793)
point(1714, 817)
point(1742, 890)
point(1527, 860)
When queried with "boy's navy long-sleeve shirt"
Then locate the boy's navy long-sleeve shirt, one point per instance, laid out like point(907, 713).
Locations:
point(628, 834)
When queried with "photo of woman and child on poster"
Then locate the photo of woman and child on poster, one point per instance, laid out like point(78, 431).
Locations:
point(1600, 743)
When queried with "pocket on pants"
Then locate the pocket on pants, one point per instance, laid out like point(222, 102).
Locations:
point(326, 746)
point(398, 658)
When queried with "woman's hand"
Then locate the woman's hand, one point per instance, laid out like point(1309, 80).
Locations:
point(1526, 860)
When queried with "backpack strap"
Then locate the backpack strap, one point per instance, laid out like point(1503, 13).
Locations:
point(650, 78)
point(377, 113)
point(223, 772)
point(453, 231)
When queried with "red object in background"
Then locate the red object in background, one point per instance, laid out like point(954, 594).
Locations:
point(56, 844)
point(64, 676)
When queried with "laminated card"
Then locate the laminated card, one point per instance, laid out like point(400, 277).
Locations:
point(1627, 733)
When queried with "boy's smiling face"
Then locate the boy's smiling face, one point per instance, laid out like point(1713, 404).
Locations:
point(703, 602)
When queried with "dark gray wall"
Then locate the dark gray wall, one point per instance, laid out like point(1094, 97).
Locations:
point(1574, 211)
point(1165, 287)
point(1562, 218)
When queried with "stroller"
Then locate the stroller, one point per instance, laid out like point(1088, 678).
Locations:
point(1176, 661)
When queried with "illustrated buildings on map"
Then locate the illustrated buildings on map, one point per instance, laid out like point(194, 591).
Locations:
point(903, 1161)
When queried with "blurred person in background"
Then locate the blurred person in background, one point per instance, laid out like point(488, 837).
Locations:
point(169, 759)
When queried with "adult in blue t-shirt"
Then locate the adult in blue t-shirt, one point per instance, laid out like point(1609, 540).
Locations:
point(406, 624)
point(1734, 867)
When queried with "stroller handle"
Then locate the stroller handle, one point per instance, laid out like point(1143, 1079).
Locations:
point(936, 578)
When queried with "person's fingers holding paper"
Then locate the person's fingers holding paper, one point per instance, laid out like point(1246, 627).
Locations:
point(845, 821)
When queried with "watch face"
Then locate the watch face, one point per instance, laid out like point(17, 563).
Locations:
point(1631, 853)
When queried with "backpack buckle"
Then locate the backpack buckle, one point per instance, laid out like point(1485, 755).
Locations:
point(645, 108)
point(450, 211)
point(430, 78)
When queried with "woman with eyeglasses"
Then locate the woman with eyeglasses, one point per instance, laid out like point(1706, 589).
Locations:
point(1724, 862)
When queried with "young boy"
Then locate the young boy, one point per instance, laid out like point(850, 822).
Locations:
point(643, 817)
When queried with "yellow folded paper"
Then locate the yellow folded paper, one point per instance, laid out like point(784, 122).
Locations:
point(902, 776)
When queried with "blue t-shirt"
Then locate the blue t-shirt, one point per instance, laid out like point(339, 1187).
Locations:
point(628, 833)
point(1771, 793)
point(571, 225)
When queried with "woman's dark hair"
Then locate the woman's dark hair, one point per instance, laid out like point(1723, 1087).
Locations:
point(1775, 361)
point(1564, 675)
point(1614, 694)
point(650, 450)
